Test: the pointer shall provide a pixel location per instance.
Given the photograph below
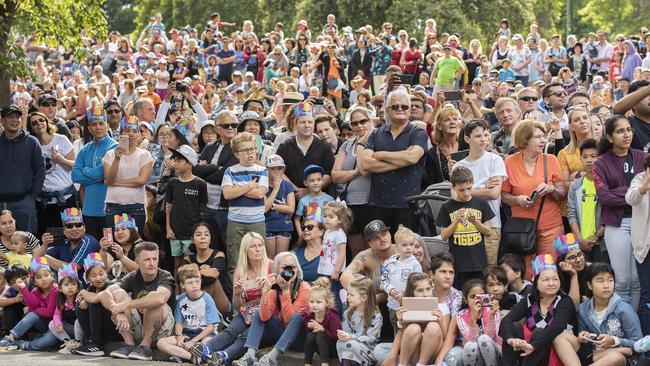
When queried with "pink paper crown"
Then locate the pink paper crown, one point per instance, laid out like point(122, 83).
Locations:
point(303, 109)
point(92, 260)
point(38, 263)
point(130, 123)
point(564, 244)
point(543, 262)
point(68, 270)
point(71, 215)
point(124, 221)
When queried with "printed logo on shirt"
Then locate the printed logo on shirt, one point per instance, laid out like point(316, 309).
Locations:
point(466, 233)
point(191, 192)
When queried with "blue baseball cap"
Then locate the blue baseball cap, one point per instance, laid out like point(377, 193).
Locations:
point(312, 168)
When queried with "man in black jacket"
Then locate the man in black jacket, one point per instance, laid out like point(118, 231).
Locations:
point(213, 161)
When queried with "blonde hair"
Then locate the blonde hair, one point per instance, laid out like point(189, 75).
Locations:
point(242, 262)
point(241, 138)
point(444, 113)
point(342, 212)
point(322, 287)
point(364, 286)
point(188, 271)
point(573, 144)
point(403, 233)
point(524, 131)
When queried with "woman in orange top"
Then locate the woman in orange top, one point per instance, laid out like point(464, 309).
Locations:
point(525, 176)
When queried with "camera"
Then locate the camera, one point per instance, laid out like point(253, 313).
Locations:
point(484, 299)
point(287, 273)
point(181, 87)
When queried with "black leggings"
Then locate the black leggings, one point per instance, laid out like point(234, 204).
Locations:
point(11, 315)
point(96, 323)
point(321, 343)
point(538, 358)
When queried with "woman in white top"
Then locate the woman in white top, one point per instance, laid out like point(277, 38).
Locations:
point(126, 172)
point(58, 191)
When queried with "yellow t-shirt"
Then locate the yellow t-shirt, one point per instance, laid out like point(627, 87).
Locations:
point(588, 214)
point(15, 258)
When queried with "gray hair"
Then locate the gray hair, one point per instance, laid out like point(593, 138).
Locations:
point(398, 93)
point(526, 89)
point(222, 114)
point(500, 103)
point(138, 105)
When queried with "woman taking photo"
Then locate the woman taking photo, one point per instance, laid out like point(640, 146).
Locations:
point(531, 170)
point(614, 169)
point(126, 172)
point(285, 295)
point(119, 253)
point(543, 338)
point(445, 142)
point(353, 187)
point(58, 190)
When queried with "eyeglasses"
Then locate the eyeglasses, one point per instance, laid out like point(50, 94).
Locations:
point(397, 107)
point(74, 226)
point(250, 150)
point(619, 40)
point(359, 122)
point(34, 122)
point(113, 111)
point(165, 135)
point(529, 99)
point(559, 94)
point(575, 258)
point(308, 227)
point(228, 125)
point(50, 104)
point(622, 131)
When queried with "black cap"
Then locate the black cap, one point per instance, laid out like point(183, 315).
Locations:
point(373, 228)
point(45, 97)
point(446, 46)
point(9, 110)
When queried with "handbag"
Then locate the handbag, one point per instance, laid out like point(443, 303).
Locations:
point(519, 235)
point(553, 68)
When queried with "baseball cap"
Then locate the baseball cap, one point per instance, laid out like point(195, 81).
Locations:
point(517, 37)
point(312, 168)
point(446, 46)
point(9, 110)
point(45, 97)
point(275, 160)
point(373, 228)
point(187, 153)
point(292, 98)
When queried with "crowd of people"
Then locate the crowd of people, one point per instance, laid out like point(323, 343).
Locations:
point(214, 193)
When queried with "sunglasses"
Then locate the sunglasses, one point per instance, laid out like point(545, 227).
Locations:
point(74, 226)
point(308, 227)
point(559, 94)
point(50, 104)
point(529, 99)
point(359, 122)
point(34, 122)
point(113, 111)
point(397, 107)
point(228, 125)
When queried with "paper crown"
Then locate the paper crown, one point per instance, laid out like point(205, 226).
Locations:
point(183, 126)
point(303, 109)
point(72, 214)
point(92, 260)
point(124, 221)
point(564, 244)
point(543, 262)
point(68, 270)
point(130, 123)
point(38, 263)
point(96, 114)
point(314, 212)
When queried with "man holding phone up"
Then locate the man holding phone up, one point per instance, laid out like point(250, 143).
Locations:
point(447, 71)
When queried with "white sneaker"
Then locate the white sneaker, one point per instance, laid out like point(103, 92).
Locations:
point(68, 346)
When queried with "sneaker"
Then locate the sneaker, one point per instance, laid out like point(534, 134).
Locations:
point(141, 353)
point(199, 352)
point(8, 344)
point(88, 349)
point(216, 359)
point(68, 346)
point(123, 352)
point(266, 361)
point(245, 360)
point(175, 359)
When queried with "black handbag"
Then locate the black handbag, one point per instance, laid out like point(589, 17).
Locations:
point(519, 235)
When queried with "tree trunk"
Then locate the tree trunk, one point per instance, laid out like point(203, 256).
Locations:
point(8, 7)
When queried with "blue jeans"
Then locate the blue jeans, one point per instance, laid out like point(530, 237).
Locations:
point(29, 321)
point(275, 331)
point(231, 340)
point(135, 210)
point(217, 220)
point(643, 270)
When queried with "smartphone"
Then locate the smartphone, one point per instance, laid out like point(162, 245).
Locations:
point(533, 197)
point(319, 101)
point(57, 233)
point(453, 95)
point(546, 117)
point(123, 143)
point(406, 79)
point(108, 233)
point(593, 338)
point(459, 155)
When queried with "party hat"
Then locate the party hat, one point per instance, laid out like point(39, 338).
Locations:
point(543, 262)
point(303, 109)
point(92, 260)
point(68, 270)
point(564, 244)
point(71, 215)
point(124, 221)
point(38, 263)
point(130, 123)
point(95, 114)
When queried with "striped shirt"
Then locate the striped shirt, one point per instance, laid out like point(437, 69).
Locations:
point(32, 244)
point(244, 209)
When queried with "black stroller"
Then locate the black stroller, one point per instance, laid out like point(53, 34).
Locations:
point(426, 206)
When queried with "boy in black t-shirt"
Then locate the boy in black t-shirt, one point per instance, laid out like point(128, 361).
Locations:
point(465, 220)
point(187, 196)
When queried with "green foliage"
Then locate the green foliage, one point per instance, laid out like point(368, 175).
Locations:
point(121, 15)
point(616, 16)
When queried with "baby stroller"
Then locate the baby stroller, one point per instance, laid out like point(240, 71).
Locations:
point(426, 206)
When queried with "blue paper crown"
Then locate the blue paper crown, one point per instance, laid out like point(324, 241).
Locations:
point(72, 214)
point(38, 263)
point(96, 114)
point(303, 109)
point(543, 262)
point(564, 244)
point(183, 126)
point(124, 221)
point(130, 123)
point(92, 260)
point(68, 270)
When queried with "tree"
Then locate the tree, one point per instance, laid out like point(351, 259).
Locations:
point(120, 15)
point(61, 22)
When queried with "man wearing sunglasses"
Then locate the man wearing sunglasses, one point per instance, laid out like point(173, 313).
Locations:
point(77, 244)
point(394, 155)
point(47, 106)
point(114, 114)
point(555, 100)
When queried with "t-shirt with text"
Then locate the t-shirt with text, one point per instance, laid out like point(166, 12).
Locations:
point(197, 314)
point(186, 198)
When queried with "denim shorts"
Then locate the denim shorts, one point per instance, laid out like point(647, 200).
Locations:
point(284, 234)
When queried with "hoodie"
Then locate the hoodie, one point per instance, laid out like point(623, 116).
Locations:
point(620, 321)
point(21, 161)
point(88, 171)
point(395, 274)
point(632, 61)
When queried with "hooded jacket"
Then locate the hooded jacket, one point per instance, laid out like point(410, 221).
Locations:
point(632, 61)
point(23, 167)
point(621, 321)
point(88, 170)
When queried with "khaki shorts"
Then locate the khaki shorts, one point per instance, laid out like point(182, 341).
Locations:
point(166, 329)
point(492, 245)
